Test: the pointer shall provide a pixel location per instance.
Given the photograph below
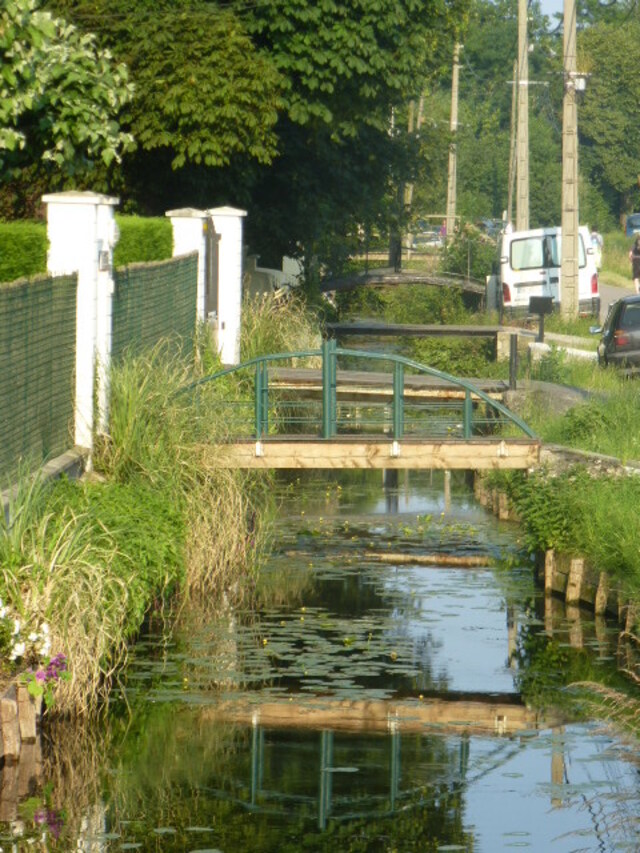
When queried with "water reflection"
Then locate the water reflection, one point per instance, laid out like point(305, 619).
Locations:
point(359, 706)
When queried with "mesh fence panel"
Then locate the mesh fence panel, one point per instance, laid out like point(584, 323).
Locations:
point(37, 369)
point(154, 301)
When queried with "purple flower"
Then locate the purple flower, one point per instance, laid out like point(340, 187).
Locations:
point(41, 676)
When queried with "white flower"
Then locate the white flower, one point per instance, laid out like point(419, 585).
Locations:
point(17, 651)
point(3, 610)
point(33, 637)
point(16, 627)
point(44, 628)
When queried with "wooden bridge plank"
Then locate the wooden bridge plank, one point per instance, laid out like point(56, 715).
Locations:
point(477, 454)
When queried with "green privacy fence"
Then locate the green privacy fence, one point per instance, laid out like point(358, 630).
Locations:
point(154, 301)
point(37, 368)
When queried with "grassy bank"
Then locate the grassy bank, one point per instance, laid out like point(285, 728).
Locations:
point(157, 522)
point(616, 267)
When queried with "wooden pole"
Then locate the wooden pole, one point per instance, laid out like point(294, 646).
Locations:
point(453, 126)
point(522, 195)
point(569, 261)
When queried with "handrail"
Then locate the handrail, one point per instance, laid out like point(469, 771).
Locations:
point(329, 354)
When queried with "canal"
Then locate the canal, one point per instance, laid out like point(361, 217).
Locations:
point(395, 683)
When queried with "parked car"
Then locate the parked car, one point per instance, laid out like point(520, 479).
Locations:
point(632, 226)
point(620, 334)
point(491, 227)
point(427, 234)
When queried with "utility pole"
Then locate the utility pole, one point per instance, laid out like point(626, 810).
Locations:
point(512, 142)
point(453, 127)
point(522, 194)
point(413, 123)
point(569, 261)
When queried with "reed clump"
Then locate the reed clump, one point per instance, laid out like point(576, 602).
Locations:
point(271, 325)
point(82, 563)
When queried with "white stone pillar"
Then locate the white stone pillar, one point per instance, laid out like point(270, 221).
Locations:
point(82, 233)
point(228, 224)
point(189, 235)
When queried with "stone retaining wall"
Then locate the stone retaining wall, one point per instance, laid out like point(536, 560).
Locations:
point(20, 749)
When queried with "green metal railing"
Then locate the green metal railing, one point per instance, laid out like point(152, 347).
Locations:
point(477, 412)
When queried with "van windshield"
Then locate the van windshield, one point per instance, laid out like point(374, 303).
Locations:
point(526, 254)
point(541, 252)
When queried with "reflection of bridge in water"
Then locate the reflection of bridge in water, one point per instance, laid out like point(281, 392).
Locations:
point(414, 417)
point(340, 739)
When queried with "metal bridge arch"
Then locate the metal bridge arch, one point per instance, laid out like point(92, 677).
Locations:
point(328, 425)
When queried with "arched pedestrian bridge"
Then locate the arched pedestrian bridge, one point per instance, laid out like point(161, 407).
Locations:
point(337, 412)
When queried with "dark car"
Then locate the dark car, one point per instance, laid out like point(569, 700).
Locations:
point(620, 335)
point(632, 225)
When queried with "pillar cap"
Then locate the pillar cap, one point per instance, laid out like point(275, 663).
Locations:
point(79, 197)
point(226, 211)
point(187, 213)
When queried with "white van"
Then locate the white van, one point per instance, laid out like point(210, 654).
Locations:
point(529, 265)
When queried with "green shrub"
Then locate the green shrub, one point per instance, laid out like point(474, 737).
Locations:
point(23, 245)
point(23, 250)
point(469, 253)
point(578, 513)
point(143, 239)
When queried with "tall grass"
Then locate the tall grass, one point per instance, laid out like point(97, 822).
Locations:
point(168, 439)
point(63, 582)
point(271, 325)
point(616, 267)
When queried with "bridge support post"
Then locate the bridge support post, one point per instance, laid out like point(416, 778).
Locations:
point(398, 401)
point(467, 415)
point(329, 382)
point(262, 399)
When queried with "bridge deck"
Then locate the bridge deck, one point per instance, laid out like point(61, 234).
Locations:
point(366, 384)
point(382, 277)
point(356, 452)
point(414, 330)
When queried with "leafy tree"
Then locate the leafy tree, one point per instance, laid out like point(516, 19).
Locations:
point(610, 115)
point(350, 69)
point(348, 63)
point(59, 95)
point(204, 95)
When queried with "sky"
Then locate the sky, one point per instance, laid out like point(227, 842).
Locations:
point(550, 7)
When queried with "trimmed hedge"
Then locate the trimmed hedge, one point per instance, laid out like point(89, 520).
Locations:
point(143, 239)
point(23, 245)
point(23, 250)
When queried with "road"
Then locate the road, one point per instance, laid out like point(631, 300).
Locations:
point(609, 293)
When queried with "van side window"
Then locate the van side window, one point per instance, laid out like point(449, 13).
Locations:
point(582, 255)
point(526, 254)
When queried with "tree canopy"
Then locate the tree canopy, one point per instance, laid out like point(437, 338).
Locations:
point(60, 97)
point(610, 114)
point(298, 109)
point(204, 94)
